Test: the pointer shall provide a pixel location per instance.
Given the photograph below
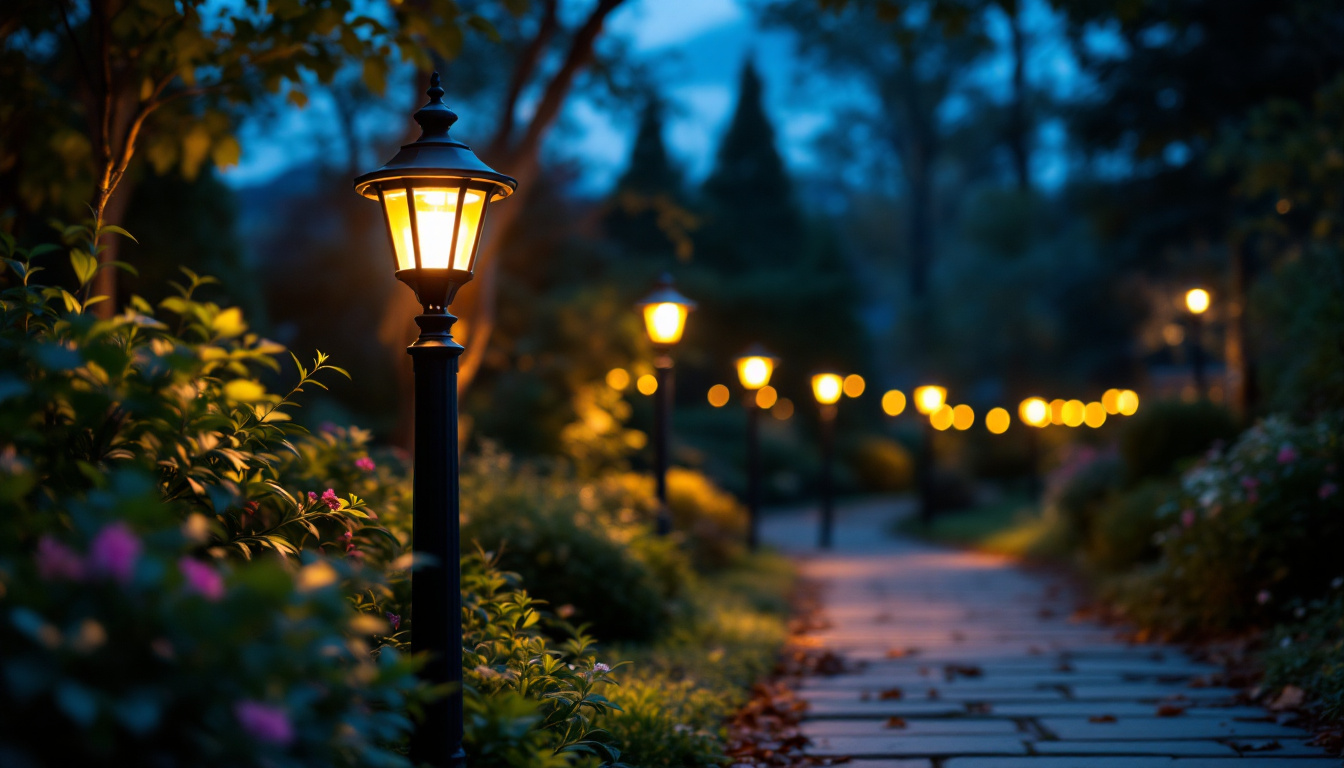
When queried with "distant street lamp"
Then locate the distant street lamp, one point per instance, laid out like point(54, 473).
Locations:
point(434, 194)
point(754, 368)
point(1034, 412)
point(1197, 300)
point(827, 388)
point(665, 313)
point(928, 400)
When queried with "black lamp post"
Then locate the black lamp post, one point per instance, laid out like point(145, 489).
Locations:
point(754, 368)
point(434, 195)
point(827, 388)
point(1197, 301)
point(928, 399)
point(1035, 413)
point(665, 313)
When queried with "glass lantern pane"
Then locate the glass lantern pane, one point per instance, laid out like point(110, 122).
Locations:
point(399, 224)
point(435, 217)
point(469, 224)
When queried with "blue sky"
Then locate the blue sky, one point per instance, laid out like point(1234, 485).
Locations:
point(697, 47)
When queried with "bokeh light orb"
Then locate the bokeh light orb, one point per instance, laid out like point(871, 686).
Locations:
point(647, 384)
point(1074, 411)
point(893, 403)
point(718, 395)
point(998, 420)
point(618, 379)
point(941, 419)
point(1094, 415)
point(854, 385)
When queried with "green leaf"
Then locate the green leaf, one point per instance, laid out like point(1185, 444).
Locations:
point(84, 264)
point(114, 229)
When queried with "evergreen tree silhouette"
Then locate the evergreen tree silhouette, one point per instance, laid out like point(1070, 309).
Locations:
point(751, 219)
point(647, 214)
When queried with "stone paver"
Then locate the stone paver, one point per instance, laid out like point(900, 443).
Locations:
point(965, 660)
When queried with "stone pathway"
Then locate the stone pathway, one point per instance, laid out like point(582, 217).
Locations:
point(966, 661)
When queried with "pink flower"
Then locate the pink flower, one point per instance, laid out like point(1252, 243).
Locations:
point(1262, 596)
point(1187, 518)
point(365, 463)
point(202, 579)
point(57, 561)
point(1287, 454)
point(600, 667)
point(329, 498)
point(394, 620)
point(114, 552)
point(264, 722)
point(1249, 483)
point(312, 496)
point(327, 426)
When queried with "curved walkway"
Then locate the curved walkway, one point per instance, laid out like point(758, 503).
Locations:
point(963, 660)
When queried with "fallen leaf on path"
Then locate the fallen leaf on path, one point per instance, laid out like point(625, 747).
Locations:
point(1101, 719)
point(934, 695)
point(978, 708)
point(892, 693)
point(951, 671)
point(1255, 746)
point(1170, 710)
point(1063, 666)
point(895, 722)
point(1290, 698)
point(901, 653)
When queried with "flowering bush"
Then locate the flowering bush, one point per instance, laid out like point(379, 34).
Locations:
point(188, 577)
point(1255, 527)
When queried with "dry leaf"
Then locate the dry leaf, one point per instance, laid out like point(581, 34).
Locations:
point(892, 694)
point(895, 722)
point(1290, 697)
point(1101, 719)
point(1170, 710)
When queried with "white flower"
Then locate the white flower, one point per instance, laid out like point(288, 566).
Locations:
point(600, 667)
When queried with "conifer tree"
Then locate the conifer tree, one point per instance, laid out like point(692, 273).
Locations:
point(648, 217)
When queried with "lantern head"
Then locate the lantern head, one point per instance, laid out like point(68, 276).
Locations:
point(665, 313)
point(755, 366)
point(434, 195)
point(1197, 301)
point(827, 388)
point(929, 398)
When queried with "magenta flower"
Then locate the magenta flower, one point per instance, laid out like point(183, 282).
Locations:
point(114, 552)
point(312, 496)
point(250, 508)
point(202, 579)
point(600, 667)
point(365, 463)
point(1327, 490)
point(57, 561)
point(1287, 454)
point(1187, 518)
point(1263, 596)
point(329, 498)
point(394, 620)
point(264, 722)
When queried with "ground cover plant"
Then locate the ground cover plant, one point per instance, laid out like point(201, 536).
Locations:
point(188, 576)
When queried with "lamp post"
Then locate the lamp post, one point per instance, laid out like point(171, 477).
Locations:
point(665, 313)
point(827, 388)
point(434, 194)
point(1034, 412)
point(1197, 301)
point(754, 368)
point(928, 398)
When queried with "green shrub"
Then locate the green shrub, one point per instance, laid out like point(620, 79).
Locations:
point(1155, 441)
point(712, 520)
point(1126, 522)
point(556, 534)
point(1077, 489)
point(1254, 528)
point(882, 465)
point(1309, 653)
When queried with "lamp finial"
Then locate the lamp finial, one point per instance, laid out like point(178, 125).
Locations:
point(435, 118)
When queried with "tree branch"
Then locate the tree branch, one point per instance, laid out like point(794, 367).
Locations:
point(522, 73)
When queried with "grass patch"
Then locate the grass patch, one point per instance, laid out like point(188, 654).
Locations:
point(1010, 526)
point(678, 689)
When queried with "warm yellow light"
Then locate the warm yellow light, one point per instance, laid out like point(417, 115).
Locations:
point(1034, 411)
point(929, 398)
point(997, 421)
point(766, 397)
point(437, 216)
point(941, 419)
point(618, 378)
point(854, 385)
point(963, 417)
point(1128, 402)
point(1110, 400)
point(1073, 413)
point(1197, 300)
point(754, 371)
point(718, 395)
point(647, 384)
point(665, 322)
point(826, 387)
point(1094, 415)
point(783, 409)
point(1057, 412)
point(893, 402)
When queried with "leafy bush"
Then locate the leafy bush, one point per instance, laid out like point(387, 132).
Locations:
point(712, 521)
point(1309, 652)
point(557, 535)
point(1122, 533)
point(1254, 528)
point(883, 465)
point(1076, 490)
point(1155, 440)
point(183, 585)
